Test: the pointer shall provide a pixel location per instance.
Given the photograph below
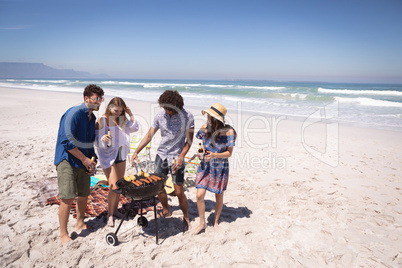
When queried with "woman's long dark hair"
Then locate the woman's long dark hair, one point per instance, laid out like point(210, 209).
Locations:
point(217, 129)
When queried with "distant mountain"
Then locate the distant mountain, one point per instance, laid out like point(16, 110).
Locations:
point(39, 70)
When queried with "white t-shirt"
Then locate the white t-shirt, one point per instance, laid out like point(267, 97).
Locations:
point(120, 138)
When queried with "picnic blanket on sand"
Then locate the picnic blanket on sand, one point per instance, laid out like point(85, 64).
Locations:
point(97, 203)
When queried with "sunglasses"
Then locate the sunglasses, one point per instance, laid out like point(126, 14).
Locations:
point(100, 99)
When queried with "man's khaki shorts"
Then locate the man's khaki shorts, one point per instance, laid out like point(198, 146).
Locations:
point(72, 181)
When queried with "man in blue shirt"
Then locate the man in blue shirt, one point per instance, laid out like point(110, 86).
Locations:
point(177, 132)
point(74, 150)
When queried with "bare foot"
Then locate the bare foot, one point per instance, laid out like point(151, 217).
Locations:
point(187, 223)
point(216, 227)
point(64, 239)
point(163, 214)
point(110, 221)
point(82, 226)
point(200, 228)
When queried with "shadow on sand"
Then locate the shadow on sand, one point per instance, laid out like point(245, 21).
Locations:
point(228, 214)
point(172, 226)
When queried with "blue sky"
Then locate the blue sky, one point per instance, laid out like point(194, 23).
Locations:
point(336, 41)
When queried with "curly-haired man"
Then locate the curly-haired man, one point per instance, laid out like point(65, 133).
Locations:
point(177, 132)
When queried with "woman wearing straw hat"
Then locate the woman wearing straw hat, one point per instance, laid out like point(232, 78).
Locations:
point(213, 173)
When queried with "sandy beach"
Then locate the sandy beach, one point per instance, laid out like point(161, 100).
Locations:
point(300, 194)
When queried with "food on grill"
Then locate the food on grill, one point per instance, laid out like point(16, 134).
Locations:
point(145, 180)
point(141, 173)
point(136, 183)
point(154, 178)
point(138, 180)
point(129, 178)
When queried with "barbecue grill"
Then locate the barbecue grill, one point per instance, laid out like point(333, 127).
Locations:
point(138, 193)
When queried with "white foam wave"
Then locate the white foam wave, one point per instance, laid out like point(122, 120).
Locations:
point(235, 86)
point(217, 86)
point(262, 88)
point(298, 96)
point(390, 115)
point(289, 96)
point(234, 99)
point(148, 85)
point(199, 96)
point(110, 82)
point(187, 85)
point(361, 92)
point(40, 81)
point(122, 83)
point(369, 102)
point(44, 87)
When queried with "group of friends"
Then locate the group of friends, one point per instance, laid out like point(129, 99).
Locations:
point(80, 132)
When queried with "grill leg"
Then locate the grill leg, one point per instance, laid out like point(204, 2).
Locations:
point(156, 221)
point(125, 215)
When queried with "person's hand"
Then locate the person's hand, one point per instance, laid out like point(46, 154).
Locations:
point(130, 114)
point(199, 155)
point(106, 138)
point(208, 156)
point(128, 111)
point(134, 159)
point(177, 164)
point(89, 165)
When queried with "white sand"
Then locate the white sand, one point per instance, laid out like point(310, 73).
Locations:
point(283, 208)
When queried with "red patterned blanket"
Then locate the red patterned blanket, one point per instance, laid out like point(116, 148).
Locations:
point(97, 203)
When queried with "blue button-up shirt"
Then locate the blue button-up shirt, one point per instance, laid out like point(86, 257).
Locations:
point(75, 130)
point(173, 132)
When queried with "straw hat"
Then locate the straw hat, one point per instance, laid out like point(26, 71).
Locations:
point(217, 110)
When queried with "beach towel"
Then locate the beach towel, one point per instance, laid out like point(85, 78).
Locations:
point(97, 178)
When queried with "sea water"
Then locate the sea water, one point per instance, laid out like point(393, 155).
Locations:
point(366, 105)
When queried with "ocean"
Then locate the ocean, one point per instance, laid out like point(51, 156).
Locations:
point(364, 105)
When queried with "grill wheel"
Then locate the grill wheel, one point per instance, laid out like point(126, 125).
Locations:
point(142, 221)
point(111, 239)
